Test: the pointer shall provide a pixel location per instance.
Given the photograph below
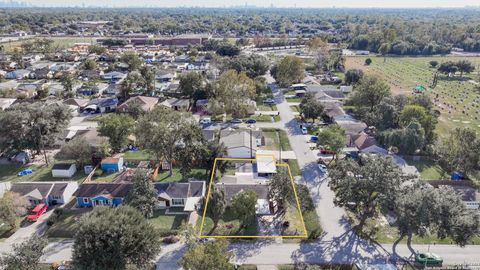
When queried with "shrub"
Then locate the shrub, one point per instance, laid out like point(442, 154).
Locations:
point(368, 61)
point(98, 172)
point(171, 239)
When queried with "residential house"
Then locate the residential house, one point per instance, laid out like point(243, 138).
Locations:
point(114, 76)
point(101, 105)
point(92, 194)
point(177, 104)
point(76, 103)
point(241, 143)
point(362, 140)
point(469, 194)
point(144, 103)
point(165, 77)
point(89, 134)
point(45, 192)
point(186, 196)
point(18, 74)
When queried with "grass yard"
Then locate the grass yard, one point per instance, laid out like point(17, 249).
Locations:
point(66, 225)
point(163, 176)
point(264, 118)
point(228, 225)
point(294, 167)
point(295, 108)
point(429, 170)
point(139, 155)
point(292, 215)
point(167, 222)
point(294, 100)
point(276, 139)
point(264, 107)
point(404, 73)
point(40, 173)
point(105, 177)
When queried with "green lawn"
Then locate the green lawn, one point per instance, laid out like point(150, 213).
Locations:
point(105, 177)
point(163, 176)
point(63, 42)
point(228, 225)
point(292, 215)
point(294, 168)
point(429, 170)
point(40, 173)
point(264, 118)
point(66, 225)
point(276, 138)
point(264, 107)
point(295, 108)
point(140, 155)
point(167, 222)
point(404, 73)
point(294, 100)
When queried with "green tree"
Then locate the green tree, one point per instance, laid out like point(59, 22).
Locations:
point(280, 187)
point(208, 256)
point(111, 238)
point(67, 81)
point(352, 76)
point(368, 61)
point(433, 63)
point(368, 92)
point(243, 205)
point(332, 138)
point(148, 75)
point(77, 149)
point(416, 113)
point(33, 126)
point(216, 206)
point(310, 107)
point(189, 84)
point(465, 66)
point(117, 128)
point(143, 195)
point(162, 131)
point(132, 60)
point(90, 64)
point(213, 150)
point(384, 49)
point(25, 256)
point(97, 49)
point(17, 57)
point(364, 189)
point(132, 82)
point(289, 70)
point(423, 210)
point(232, 93)
point(459, 151)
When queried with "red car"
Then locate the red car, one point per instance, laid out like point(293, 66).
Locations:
point(37, 212)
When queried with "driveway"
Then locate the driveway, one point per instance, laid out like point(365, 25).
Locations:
point(25, 232)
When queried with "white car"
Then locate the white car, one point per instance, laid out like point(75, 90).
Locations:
point(304, 131)
point(206, 121)
point(322, 168)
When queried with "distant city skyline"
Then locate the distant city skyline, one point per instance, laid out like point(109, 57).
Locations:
point(257, 3)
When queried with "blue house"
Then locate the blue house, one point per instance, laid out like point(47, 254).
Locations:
point(92, 194)
point(112, 164)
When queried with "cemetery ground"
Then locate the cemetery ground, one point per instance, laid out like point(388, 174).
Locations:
point(456, 98)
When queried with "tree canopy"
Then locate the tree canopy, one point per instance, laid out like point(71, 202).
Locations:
point(117, 127)
point(289, 70)
point(111, 238)
point(208, 256)
point(143, 195)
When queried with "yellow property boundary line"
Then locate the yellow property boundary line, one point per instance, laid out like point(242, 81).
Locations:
point(305, 235)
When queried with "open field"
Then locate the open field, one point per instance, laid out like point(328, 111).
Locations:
point(62, 42)
point(275, 139)
point(457, 99)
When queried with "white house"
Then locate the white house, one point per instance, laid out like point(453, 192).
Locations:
point(241, 144)
point(45, 192)
point(64, 170)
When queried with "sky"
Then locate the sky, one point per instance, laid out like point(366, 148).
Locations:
point(261, 3)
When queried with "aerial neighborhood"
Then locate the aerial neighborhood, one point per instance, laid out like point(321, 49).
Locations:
point(239, 138)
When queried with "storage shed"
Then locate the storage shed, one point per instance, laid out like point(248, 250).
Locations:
point(112, 164)
point(64, 170)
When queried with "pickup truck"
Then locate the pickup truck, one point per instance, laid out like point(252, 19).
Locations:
point(39, 210)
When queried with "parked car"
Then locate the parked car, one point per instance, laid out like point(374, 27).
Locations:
point(251, 121)
point(269, 101)
point(428, 258)
point(327, 152)
point(304, 131)
point(322, 168)
point(206, 121)
point(236, 121)
point(39, 210)
point(314, 139)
